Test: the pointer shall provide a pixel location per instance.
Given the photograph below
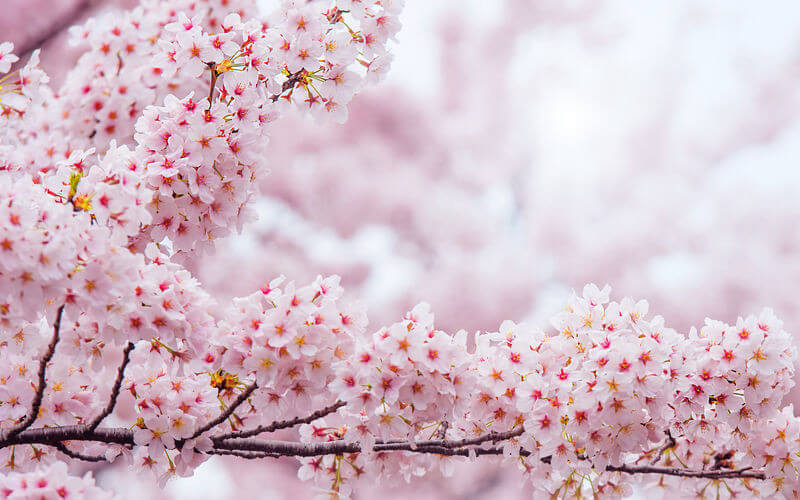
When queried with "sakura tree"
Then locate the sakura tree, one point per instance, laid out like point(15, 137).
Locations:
point(154, 147)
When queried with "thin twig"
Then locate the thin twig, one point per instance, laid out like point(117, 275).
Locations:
point(228, 412)
point(441, 433)
point(115, 389)
point(29, 419)
point(213, 86)
point(283, 424)
point(293, 79)
point(484, 438)
point(668, 443)
point(78, 456)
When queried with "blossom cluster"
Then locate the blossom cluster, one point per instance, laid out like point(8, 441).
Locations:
point(163, 311)
point(111, 191)
point(156, 299)
point(170, 408)
point(19, 88)
point(213, 147)
point(200, 165)
point(38, 247)
point(201, 155)
point(51, 482)
point(608, 389)
point(404, 382)
point(71, 388)
point(288, 340)
point(89, 199)
point(97, 209)
point(602, 392)
point(405, 377)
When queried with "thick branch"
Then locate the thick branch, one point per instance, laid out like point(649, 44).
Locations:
point(296, 449)
point(250, 455)
point(228, 412)
point(115, 389)
point(54, 435)
point(29, 419)
point(283, 424)
point(254, 448)
point(448, 448)
point(746, 472)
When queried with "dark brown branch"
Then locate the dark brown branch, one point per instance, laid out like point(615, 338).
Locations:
point(213, 86)
point(253, 448)
point(53, 435)
point(483, 438)
point(115, 389)
point(283, 424)
point(250, 455)
point(77, 456)
point(744, 473)
point(297, 449)
point(228, 412)
point(293, 79)
point(442, 448)
point(29, 419)
point(442, 432)
point(446, 448)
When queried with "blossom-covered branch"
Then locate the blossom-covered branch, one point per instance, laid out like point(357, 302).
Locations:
point(552, 411)
point(134, 166)
point(112, 400)
point(253, 449)
point(225, 414)
point(284, 424)
point(41, 385)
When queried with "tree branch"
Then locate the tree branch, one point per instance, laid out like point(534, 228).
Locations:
point(669, 443)
point(54, 435)
point(744, 473)
point(283, 424)
point(115, 389)
point(450, 448)
point(213, 86)
point(484, 438)
point(254, 448)
point(29, 419)
point(78, 456)
point(293, 79)
point(250, 455)
point(227, 413)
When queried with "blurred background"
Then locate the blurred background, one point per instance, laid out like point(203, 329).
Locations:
point(518, 150)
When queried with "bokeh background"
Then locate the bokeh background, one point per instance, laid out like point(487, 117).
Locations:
point(518, 150)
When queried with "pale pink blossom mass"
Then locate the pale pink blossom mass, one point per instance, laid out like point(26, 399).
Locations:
point(201, 211)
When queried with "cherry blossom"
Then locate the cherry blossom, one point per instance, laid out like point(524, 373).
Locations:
point(155, 146)
point(7, 58)
point(51, 482)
